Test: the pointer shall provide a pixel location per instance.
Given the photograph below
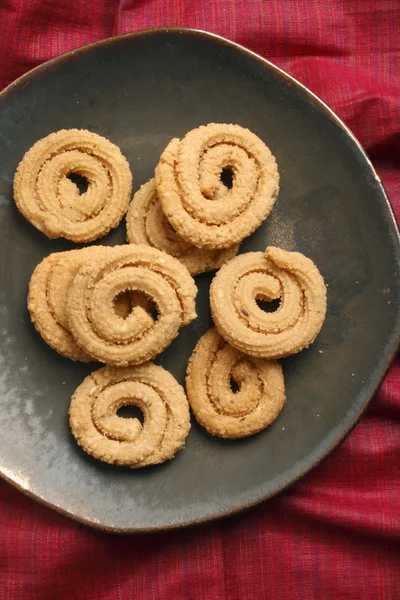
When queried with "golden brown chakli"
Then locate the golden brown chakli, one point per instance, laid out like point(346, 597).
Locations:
point(46, 196)
point(256, 404)
point(113, 439)
point(200, 208)
point(147, 224)
point(276, 274)
point(138, 338)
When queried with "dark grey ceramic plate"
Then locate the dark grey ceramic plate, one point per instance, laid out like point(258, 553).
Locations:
point(140, 90)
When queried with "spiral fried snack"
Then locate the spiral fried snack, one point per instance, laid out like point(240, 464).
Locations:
point(194, 199)
point(147, 224)
point(223, 412)
point(46, 196)
point(106, 436)
point(139, 337)
point(289, 276)
point(47, 296)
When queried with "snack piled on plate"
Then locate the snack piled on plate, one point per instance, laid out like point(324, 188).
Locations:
point(147, 224)
point(124, 305)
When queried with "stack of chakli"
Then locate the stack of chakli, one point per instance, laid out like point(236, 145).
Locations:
point(124, 305)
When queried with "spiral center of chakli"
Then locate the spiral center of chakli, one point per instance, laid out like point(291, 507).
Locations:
point(80, 181)
point(268, 305)
point(235, 387)
point(133, 393)
point(227, 177)
point(124, 303)
point(130, 411)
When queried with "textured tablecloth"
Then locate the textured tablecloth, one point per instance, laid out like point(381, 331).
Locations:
point(336, 534)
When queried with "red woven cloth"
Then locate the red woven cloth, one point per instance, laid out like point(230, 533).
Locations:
point(336, 534)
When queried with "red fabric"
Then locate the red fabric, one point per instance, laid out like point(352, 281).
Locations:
point(336, 534)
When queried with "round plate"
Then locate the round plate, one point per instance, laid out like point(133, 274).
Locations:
point(139, 91)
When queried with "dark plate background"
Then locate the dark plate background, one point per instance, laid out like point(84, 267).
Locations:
point(139, 91)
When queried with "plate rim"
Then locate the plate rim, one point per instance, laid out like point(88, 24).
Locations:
point(23, 81)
